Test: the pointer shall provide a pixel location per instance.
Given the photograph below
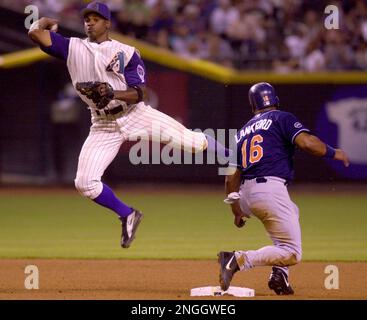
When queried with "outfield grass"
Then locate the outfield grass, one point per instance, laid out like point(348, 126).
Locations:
point(184, 226)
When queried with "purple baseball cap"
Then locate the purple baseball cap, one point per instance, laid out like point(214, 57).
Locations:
point(98, 8)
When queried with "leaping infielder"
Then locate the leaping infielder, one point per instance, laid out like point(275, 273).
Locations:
point(109, 77)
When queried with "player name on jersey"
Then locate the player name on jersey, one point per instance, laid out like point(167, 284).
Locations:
point(263, 124)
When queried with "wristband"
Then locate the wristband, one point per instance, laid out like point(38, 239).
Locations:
point(232, 198)
point(34, 26)
point(330, 152)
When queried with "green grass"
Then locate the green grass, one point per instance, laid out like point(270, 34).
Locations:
point(187, 226)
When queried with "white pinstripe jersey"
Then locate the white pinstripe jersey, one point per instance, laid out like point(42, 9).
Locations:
point(105, 62)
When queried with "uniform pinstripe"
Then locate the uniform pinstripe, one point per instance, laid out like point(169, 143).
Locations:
point(87, 61)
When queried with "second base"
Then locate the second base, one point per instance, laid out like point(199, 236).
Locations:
point(217, 291)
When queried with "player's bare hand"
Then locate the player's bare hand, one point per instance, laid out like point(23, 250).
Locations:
point(239, 221)
point(342, 156)
point(48, 24)
point(238, 215)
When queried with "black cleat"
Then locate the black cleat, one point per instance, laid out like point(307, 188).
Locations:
point(129, 226)
point(228, 267)
point(278, 281)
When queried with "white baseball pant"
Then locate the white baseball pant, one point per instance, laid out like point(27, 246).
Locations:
point(106, 137)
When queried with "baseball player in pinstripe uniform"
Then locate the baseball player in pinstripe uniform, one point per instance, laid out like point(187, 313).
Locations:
point(109, 77)
point(264, 167)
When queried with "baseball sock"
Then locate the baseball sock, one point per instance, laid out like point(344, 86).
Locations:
point(108, 200)
point(216, 147)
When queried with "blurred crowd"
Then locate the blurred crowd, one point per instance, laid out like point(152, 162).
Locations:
point(279, 35)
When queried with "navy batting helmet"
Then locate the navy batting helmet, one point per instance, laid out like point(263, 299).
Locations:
point(262, 95)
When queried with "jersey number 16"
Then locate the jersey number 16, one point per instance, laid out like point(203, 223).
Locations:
point(256, 151)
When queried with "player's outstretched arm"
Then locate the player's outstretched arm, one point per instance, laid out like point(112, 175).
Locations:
point(39, 31)
point(313, 145)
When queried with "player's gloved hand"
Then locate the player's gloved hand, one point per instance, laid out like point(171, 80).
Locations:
point(106, 92)
point(101, 93)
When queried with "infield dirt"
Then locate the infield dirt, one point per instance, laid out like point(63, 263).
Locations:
point(167, 280)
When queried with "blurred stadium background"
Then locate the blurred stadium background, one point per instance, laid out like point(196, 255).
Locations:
point(202, 56)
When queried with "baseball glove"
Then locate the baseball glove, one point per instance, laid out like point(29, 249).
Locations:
point(101, 93)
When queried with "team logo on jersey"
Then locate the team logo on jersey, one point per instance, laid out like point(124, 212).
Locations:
point(117, 63)
point(298, 125)
point(266, 100)
point(141, 72)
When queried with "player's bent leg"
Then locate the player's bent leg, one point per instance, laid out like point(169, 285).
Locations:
point(281, 220)
point(87, 187)
point(97, 153)
point(286, 249)
point(266, 256)
point(278, 257)
point(198, 142)
point(194, 142)
point(164, 129)
point(282, 254)
point(168, 130)
point(295, 259)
